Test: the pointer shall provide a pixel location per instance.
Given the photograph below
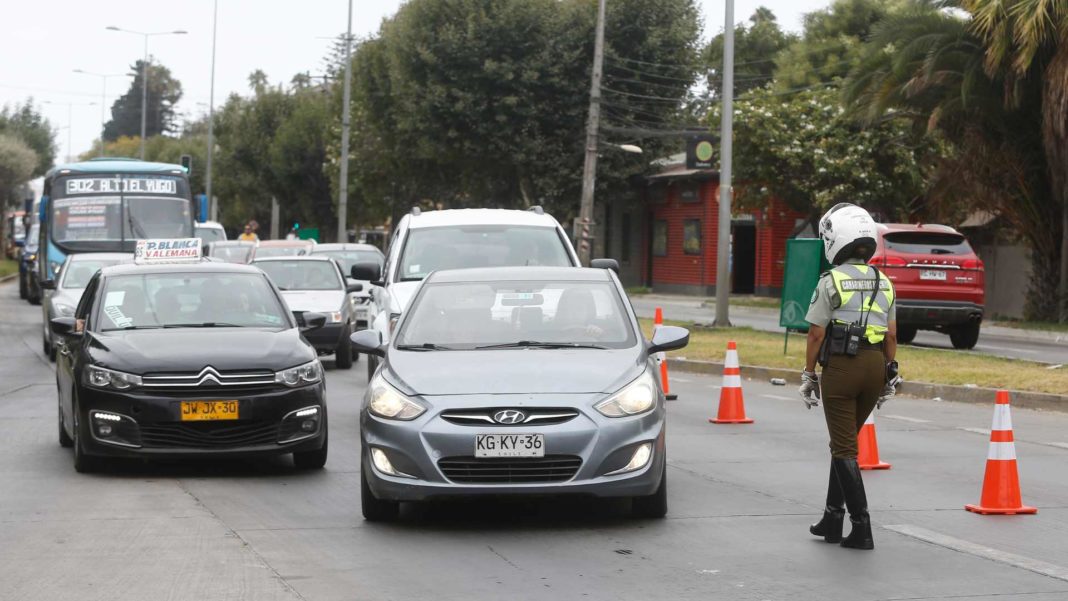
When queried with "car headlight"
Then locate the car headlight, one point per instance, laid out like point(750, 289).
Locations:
point(64, 310)
point(637, 397)
point(109, 378)
point(300, 375)
point(55, 266)
point(389, 403)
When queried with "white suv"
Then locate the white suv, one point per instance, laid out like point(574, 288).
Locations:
point(424, 242)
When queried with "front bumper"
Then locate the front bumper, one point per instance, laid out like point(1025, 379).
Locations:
point(154, 427)
point(937, 313)
point(420, 447)
point(326, 338)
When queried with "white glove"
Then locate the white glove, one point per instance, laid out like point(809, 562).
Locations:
point(810, 389)
point(888, 392)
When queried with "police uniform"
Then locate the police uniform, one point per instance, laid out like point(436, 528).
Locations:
point(850, 386)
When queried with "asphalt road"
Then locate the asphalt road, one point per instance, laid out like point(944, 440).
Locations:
point(993, 340)
point(741, 499)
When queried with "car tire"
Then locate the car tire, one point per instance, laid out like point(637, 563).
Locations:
point(343, 352)
point(52, 353)
point(655, 505)
point(312, 460)
point(906, 334)
point(83, 463)
point(375, 509)
point(23, 288)
point(65, 440)
point(965, 337)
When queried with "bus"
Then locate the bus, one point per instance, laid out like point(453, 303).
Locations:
point(107, 204)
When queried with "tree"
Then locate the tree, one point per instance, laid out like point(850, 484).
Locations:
point(164, 92)
point(27, 123)
point(17, 163)
point(756, 49)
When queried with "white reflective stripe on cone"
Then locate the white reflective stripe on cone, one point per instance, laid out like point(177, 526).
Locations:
point(871, 419)
point(732, 359)
point(1002, 451)
point(1002, 418)
point(734, 381)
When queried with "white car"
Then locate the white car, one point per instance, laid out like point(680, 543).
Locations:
point(209, 231)
point(61, 297)
point(424, 242)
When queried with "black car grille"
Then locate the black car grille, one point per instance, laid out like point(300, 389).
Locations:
point(208, 435)
point(208, 379)
point(542, 416)
point(510, 470)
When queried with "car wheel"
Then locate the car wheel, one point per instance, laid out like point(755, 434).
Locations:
point(375, 509)
point(83, 464)
point(343, 352)
point(23, 290)
point(65, 440)
point(312, 460)
point(52, 353)
point(45, 347)
point(965, 336)
point(656, 504)
point(906, 334)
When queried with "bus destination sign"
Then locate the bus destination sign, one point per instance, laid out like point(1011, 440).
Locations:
point(117, 185)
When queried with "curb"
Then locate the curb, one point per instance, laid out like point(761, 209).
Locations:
point(7, 278)
point(947, 392)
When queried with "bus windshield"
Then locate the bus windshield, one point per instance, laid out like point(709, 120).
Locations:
point(111, 212)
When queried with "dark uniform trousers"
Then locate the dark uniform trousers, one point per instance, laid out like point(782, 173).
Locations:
point(849, 387)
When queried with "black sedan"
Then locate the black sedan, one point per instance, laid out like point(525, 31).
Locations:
point(188, 360)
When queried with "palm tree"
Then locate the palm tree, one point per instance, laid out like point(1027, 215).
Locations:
point(975, 80)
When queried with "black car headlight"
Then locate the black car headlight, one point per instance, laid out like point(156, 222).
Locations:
point(637, 397)
point(309, 373)
point(101, 377)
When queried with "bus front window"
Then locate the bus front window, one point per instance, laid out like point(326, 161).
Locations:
point(87, 219)
point(157, 217)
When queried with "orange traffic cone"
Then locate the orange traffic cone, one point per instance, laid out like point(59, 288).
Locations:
point(661, 358)
point(731, 404)
point(868, 447)
point(1001, 484)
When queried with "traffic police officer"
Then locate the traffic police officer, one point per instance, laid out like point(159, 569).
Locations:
point(853, 335)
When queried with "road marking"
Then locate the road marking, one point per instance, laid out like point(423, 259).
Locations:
point(1059, 445)
point(982, 431)
point(904, 418)
point(683, 380)
point(1008, 348)
point(779, 397)
point(963, 546)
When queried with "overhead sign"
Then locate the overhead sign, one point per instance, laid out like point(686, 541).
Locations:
point(178, 250)
point(700, 152)
point(117, 185)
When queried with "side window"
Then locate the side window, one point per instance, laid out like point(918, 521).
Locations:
point(390, 259)
point(86, 302)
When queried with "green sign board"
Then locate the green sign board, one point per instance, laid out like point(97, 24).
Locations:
point(308, 233)
point(804, 264)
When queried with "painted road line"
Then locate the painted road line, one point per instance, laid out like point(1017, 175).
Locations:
point(1034, 565)
point(905, 418)
point(1009, 349)
point(683, 380)
point(1059, 445)
point(778, 397)
point(982, 431)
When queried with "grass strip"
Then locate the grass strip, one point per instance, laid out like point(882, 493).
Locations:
point(8, 267)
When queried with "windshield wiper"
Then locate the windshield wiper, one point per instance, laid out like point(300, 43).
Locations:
point(426, 346)
point(134, 328)
point(537, 344)
point(206, 324)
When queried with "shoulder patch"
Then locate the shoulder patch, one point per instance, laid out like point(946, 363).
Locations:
point(815, 295)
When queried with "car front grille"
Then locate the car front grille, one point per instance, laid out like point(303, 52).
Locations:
point(208, 379)
point(208, 435)
point(484, 417)
point(510, 470)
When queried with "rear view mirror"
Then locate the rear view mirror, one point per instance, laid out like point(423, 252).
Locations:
point(669, 338)
point(309, 320)
point(351, 287)
point(605, 264)
point(48, 284)
point(371, 272)
point(368, 341)
point(64, 326)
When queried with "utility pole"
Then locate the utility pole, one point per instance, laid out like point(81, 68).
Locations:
point(726, 192)
point(343, 184)
point(211, 107)
point(589, 170)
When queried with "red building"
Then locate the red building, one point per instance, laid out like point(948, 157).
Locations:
point(666, 237)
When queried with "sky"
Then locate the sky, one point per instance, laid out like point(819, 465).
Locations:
point(45, 41)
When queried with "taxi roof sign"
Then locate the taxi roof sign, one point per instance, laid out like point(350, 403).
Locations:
point(159, 251)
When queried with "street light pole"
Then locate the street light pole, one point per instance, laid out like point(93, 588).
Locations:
point(103, 99)
point(589, 168)
point(343, 184)
point(211, 111)
point(70, 124)
point(723, 279)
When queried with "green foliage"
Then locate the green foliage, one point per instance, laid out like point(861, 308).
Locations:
point(163, 93)
point(26, 123)
point(756, 48)
point(17, 162)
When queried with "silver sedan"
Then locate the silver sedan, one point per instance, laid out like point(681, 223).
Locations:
point(515, 381)
point(63, 293)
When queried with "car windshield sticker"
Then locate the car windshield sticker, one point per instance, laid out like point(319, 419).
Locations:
point(271, 319)
point(413, 268)
point(117, 317)
point(114, 298)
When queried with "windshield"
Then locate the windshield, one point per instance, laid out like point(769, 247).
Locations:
point(470, 315)
point(157, 300)
point(81, 269)
point(281, 251)
point(231, 254)
point(209, 234)
point(348, 258)
point(31, 238)
point(430, 249)
point(927, 243)
point(302, 275)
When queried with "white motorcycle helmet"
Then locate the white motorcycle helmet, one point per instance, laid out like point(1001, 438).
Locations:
point(847, 231)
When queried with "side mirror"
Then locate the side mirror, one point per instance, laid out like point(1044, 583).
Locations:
point(605, 264)
point(368, 341)
point(48, 284)
point(371, 272)
point(353, 287)
point(309, 320)
point(669, 338)
point(64, 326)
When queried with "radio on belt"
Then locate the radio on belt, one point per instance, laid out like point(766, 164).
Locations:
point(173, 250)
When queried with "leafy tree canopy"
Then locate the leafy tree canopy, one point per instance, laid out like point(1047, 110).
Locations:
point(756, 50)
point(17, 162)
point(25, 122)
point(164, 92)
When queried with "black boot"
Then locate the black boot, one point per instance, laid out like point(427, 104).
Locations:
point(830, 527)
point(848, 473)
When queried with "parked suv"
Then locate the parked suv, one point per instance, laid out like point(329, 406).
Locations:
point(938, 279)
point(455, 239)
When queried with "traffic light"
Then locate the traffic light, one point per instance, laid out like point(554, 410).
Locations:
point(187, 162)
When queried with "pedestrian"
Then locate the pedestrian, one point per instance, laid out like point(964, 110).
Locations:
point(248, 235)
point(853, 336)
point(294, 233)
